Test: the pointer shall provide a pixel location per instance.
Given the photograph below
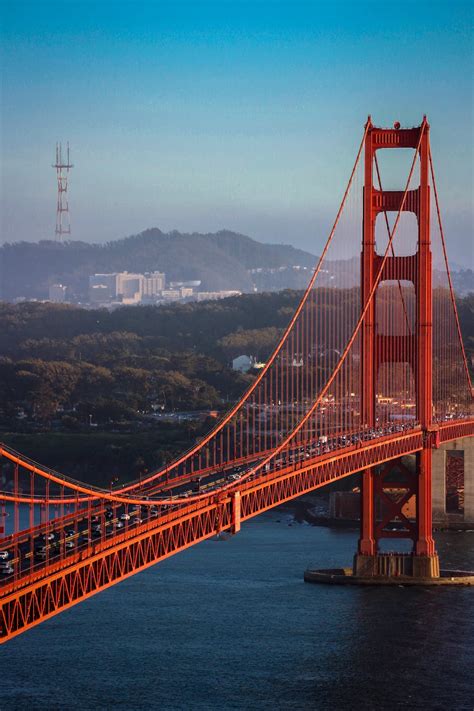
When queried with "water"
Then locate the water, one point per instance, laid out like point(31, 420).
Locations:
point(7, 519)
point(231, 625)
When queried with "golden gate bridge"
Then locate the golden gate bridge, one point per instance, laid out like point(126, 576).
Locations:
point(371, 368)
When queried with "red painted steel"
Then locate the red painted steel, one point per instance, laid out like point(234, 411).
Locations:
point(349, 388)
point(46, 592)
point(384, 348)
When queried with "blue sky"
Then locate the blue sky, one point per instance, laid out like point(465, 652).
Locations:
point(231, 114)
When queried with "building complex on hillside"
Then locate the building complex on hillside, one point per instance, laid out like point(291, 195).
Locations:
point(126, 287)
point(149, 288)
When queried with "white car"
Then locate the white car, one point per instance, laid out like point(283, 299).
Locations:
point(47, 536)
point(125, 517)
point(4, 555)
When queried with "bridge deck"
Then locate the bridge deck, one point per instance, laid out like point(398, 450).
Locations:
point(37, 596)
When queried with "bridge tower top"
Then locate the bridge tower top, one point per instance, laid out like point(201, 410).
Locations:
point(395, 137)
point(417, 269)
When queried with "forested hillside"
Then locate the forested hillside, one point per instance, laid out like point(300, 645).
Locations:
point(220, 261)
point(115, 365)
point(80, 389)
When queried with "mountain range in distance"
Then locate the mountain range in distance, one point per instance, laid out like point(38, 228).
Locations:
point(223, 260)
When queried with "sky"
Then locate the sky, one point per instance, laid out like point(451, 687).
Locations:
point(244, 115)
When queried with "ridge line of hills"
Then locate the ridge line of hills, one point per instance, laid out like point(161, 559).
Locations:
point(223, 260)
point(220, 260)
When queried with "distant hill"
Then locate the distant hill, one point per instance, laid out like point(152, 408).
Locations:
point(221, 261)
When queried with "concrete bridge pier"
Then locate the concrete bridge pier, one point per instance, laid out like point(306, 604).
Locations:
point(412, 568)
point(442, 517)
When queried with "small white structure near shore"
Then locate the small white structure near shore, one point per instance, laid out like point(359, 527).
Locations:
point(244, 363)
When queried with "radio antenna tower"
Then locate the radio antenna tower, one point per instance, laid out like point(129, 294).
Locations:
point(63, 224)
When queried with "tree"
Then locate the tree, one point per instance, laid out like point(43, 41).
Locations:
point(257, 342)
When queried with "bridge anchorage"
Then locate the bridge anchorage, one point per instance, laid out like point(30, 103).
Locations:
point(370, 376)
point(387, 488)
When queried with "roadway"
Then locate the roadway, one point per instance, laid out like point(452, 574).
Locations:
point(56, 539)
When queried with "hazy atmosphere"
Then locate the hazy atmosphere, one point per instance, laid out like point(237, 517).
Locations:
point(211, 115)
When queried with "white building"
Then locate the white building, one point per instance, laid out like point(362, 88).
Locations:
point(171, 294)
point(242, 363)
point(215, 295)
point(153, 283)
point(127, 287)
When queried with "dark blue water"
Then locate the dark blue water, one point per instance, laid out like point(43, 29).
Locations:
point(231, 625)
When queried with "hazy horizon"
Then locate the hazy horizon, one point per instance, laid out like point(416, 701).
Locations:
point(224, 115)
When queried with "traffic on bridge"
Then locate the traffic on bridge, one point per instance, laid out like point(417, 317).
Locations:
point(386, 379)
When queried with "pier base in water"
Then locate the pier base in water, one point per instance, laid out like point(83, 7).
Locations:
point(394, 565)
point(391, 569)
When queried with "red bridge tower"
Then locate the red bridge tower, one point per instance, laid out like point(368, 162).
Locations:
point(414, 348)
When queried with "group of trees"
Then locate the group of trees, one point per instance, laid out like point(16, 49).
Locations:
point(177, 327)
point(63, 362)
point(73, 365)
point(110, 387)
point(101, 457)
point(63, 368)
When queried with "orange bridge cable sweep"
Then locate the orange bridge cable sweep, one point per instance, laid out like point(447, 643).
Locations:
point(347, 349)
point(448, 271)
point(96, 492)
point(163, 471)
